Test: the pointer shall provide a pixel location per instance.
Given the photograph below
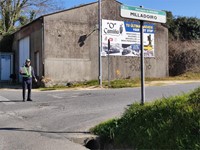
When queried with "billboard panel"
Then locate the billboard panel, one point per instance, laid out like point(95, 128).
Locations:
point(125, 38)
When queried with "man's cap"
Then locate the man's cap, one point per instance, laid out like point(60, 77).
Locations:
point(28, 60)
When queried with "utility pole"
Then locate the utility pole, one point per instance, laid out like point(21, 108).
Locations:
point(100, 43)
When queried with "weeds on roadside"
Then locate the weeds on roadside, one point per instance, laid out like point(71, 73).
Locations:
point(168, 123)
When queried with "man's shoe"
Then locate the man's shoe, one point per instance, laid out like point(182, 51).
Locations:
point(23, 100)
point(29, 99)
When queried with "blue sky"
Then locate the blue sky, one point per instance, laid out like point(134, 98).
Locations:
point(189, 8)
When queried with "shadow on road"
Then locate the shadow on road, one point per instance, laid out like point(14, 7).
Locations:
point(40, 131)
point(11, 101)
point(8, 85)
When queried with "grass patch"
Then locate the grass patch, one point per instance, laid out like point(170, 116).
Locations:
point(123, 83)
point(185, 76)
point(47, 89)
point(55, 87)
point(168, 123)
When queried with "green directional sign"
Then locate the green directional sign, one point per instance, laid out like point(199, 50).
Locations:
point(143, 14)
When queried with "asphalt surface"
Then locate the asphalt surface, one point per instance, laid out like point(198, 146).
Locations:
point(54, 117)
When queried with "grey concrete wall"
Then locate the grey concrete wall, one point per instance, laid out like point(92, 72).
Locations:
point(125, 67)
point(36, 46)
point(66, 60)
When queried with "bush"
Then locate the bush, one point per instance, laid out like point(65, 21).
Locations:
point(169, 123)
point(184, 45)
point(184, 57)
point(194, 98)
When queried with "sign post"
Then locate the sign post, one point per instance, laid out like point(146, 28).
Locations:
point(142, 64)
point(142, 15)
point(108, 63)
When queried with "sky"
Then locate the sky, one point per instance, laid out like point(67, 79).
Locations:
point(188, 8)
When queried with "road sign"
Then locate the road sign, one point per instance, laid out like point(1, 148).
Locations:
point(143, 14)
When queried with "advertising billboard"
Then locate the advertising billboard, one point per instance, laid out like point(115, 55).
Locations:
point(125, 38)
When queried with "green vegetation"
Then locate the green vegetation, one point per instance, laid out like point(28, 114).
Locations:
point(168, 123)
point(183, 28)
point(123, 83)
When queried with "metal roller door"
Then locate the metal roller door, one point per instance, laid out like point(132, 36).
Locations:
point(24, 51)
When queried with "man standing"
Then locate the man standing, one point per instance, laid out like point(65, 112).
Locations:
point(27, 73)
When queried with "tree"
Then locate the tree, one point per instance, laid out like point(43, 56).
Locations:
point(173, 30)
point(189, 28)
point(183, 28)
point(13, 12)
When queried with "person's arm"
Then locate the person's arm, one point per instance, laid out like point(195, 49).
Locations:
point(33, 74)
point(21, 72)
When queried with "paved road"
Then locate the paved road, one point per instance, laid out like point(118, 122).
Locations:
point(55, 116)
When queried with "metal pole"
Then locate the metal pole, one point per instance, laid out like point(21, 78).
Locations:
point(108, 63)
point(142, 64)
point(100, 43)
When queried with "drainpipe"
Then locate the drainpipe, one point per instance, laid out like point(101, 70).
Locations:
point(43, 72)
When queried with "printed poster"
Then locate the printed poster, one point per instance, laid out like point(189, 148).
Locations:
point(125, 38)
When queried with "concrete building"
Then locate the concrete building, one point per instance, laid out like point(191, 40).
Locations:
point(59, 51)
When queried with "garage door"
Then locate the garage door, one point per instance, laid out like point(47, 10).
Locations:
point(5, 67)
point(24, 51)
